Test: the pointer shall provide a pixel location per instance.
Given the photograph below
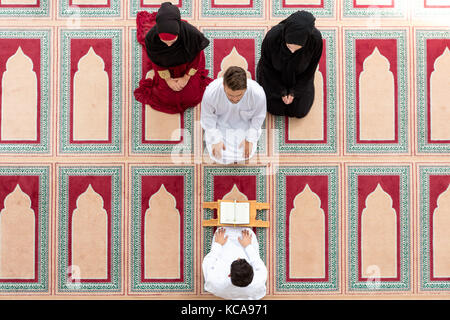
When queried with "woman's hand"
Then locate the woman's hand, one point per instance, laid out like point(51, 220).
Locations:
point(173, 84)
point(288, 99)
point(183, 80)
point(178, 84)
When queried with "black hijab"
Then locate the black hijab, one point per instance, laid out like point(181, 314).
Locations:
point(298, 28)
point(189, 43)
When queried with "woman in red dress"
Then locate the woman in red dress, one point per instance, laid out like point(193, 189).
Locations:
point(175, 49)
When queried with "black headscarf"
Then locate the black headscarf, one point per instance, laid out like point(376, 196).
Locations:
point(189, 43)
point(298, 28)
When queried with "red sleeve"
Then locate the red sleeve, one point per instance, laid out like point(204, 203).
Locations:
point(196, 64)
point(163, 72)
point(191, 68)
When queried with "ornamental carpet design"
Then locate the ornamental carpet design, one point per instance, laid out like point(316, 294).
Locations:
point(106, 201)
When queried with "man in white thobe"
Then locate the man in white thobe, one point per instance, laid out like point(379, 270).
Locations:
point(233, 268)
point(233, 110)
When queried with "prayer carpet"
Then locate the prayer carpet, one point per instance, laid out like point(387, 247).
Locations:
point(106, 201)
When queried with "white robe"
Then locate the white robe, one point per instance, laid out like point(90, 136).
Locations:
point(232, 123)
point(217, 263)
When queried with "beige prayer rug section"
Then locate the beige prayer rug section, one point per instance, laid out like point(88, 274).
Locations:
point(101, 196)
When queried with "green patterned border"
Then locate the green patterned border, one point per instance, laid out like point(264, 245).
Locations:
point(258, 36)
point(64, 143)
point(399, 10)
point(402, 67)
point(278, 11)
point(185, 10)
point(183, 148)
point(44, 146)
point(135, 228)
point(333, 229)
point(43, 248)
point(405, 224)
point(42, 11)
point(256, 11)
point(74, 11)
point(261, 186)
point(331, 146)
point(116, 225)
point(424, 209)
point(422, 91)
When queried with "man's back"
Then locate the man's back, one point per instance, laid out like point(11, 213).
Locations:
point(216, 268)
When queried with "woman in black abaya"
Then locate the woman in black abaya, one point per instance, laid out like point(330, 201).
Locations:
point(290, 53)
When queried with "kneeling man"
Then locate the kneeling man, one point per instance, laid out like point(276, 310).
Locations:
point(233, 110)
point(233, 268)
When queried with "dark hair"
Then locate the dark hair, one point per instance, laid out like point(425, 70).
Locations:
point(241, 273)
point(235, 78)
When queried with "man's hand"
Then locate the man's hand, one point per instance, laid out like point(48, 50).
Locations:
point(248, 146)
point(288, 99)
point(217, 149)
point(173, 84)
point(220, 237)
point(246, 238)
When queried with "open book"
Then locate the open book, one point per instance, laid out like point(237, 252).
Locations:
point(234, 212)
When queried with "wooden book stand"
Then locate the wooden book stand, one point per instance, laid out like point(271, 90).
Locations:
point(253, 221)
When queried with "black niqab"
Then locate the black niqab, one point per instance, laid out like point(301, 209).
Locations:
point(188, 45)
